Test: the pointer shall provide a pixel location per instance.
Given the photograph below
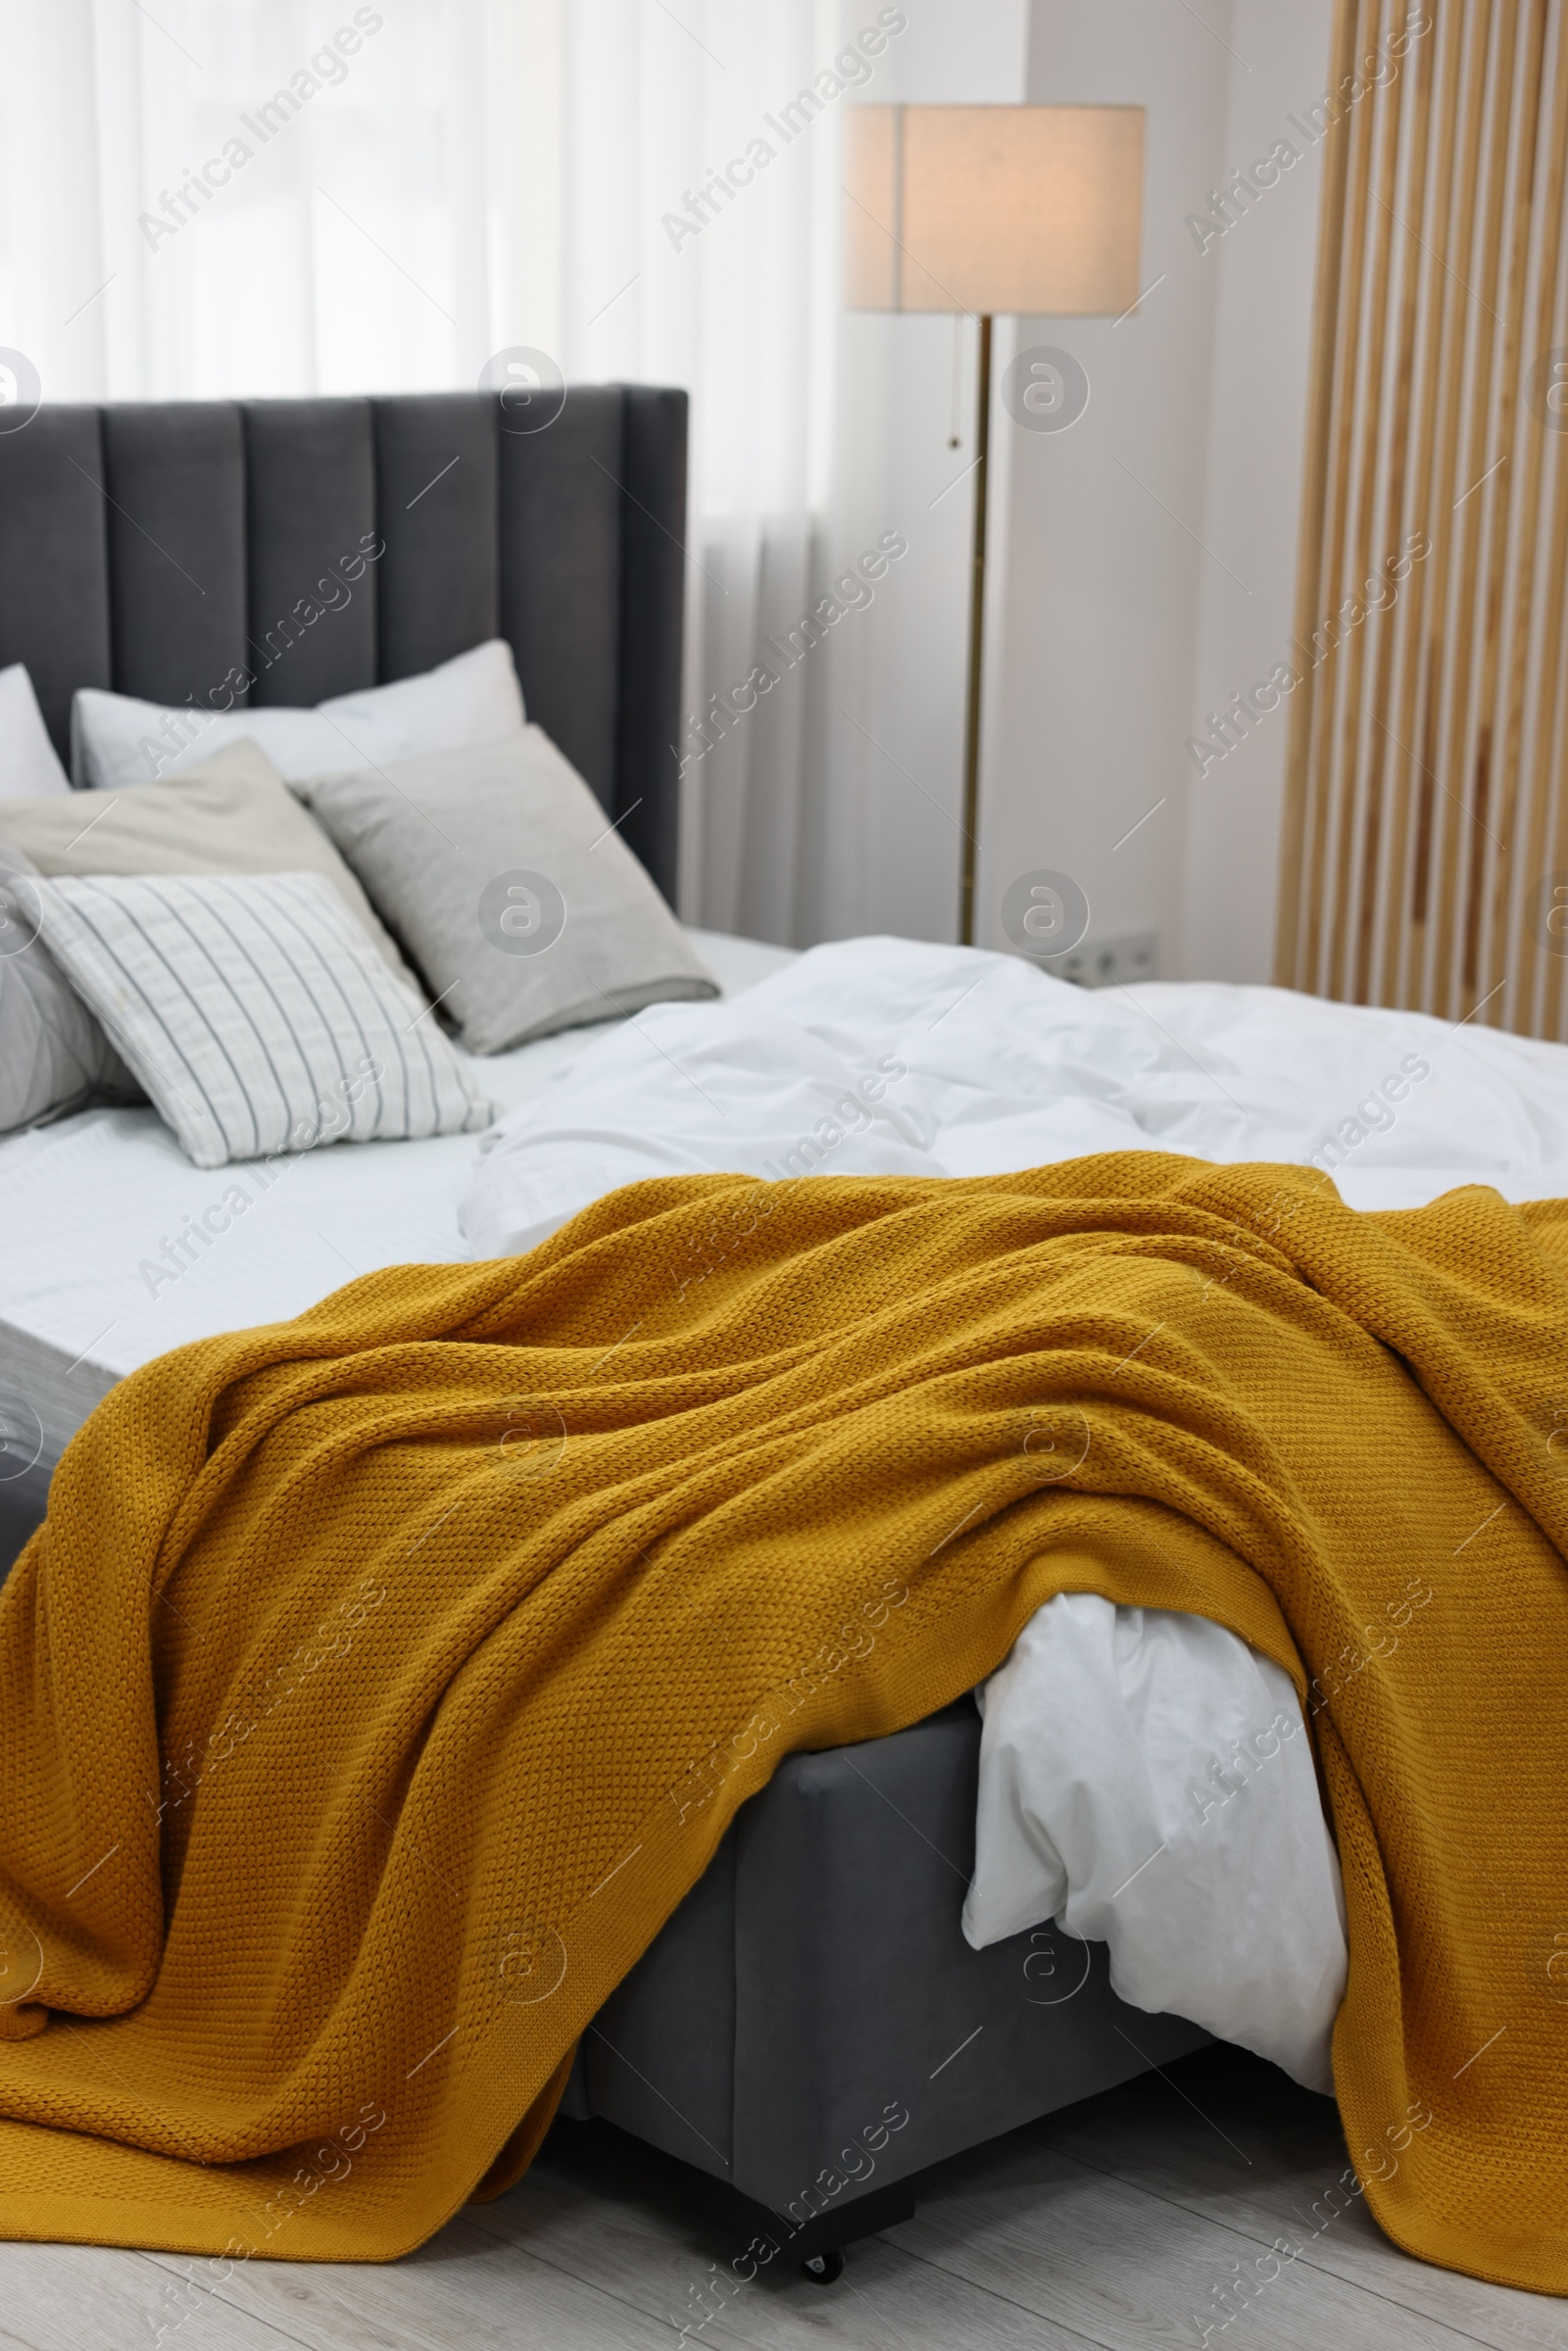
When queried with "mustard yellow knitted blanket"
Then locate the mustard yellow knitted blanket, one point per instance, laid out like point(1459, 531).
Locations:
point(382, 1680)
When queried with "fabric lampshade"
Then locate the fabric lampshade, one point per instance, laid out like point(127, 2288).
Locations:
point(1024, 209)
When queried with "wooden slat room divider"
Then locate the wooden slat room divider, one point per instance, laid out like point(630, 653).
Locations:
point(1425, 852)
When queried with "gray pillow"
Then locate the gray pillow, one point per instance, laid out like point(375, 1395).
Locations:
point(501, 873)
point(54, 1054)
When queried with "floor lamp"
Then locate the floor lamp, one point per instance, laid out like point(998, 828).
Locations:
point(1030, 210)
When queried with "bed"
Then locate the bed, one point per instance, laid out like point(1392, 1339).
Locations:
point(817, 1991)
point(144, 548)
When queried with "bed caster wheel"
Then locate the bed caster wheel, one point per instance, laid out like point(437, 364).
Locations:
point(824, 2269)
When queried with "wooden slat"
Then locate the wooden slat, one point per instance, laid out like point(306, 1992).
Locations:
point(1490, 786)
point(1541, 975)
point(1343, 447)
point(1534, 803)
point(1393, 637)
point(1437, 305)
point(1434, 649)
point(1473, 507)
point(1310, 566)
point(1383, 189)
point(1424, 784)
point(1551, 767)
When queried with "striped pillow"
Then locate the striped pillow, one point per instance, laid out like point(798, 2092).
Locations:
point(256, 1012)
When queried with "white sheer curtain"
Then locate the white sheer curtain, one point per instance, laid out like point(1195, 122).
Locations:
point(209, 198)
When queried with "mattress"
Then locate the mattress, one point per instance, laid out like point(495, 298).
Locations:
point(89, 1290)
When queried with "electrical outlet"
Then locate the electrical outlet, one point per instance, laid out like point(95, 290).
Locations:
point(1109, 963)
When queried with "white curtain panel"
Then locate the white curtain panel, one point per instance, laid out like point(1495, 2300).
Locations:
point(213, 198)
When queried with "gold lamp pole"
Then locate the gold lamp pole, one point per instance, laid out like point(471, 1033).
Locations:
point(977, 630)
point(1024, 211)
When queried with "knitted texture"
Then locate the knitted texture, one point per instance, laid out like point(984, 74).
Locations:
point(382, 1680)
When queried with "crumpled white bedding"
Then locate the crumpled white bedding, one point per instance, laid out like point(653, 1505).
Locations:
point(1106, 1730)
point(1145, 1778)
point(991, 1066)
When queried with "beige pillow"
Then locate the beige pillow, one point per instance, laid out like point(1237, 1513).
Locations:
point(231, 815)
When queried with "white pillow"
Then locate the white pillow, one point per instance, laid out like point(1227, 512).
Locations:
point(29, 765)
point(256, 1012)
point(116, 741)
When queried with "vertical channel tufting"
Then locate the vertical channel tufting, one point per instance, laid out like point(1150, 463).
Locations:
point(54, 559)
point(437, 589)
point(653, 626)
point(161, 549)
point(174, 475)
point(311, 540)
point(561, 576)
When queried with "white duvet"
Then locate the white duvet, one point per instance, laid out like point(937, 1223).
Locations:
point(1145, 1777)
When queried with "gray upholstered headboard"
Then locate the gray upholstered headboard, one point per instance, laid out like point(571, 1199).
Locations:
point(157, 548)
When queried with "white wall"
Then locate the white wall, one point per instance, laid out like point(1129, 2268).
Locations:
point(883, 853)
point(1149, 551)
point(1257, 433)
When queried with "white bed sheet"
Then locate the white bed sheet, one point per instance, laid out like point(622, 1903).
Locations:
point(86, 1204)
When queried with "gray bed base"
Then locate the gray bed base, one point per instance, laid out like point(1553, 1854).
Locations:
point(810, 2029)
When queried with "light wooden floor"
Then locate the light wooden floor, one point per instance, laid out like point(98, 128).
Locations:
point(1111, 2223)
